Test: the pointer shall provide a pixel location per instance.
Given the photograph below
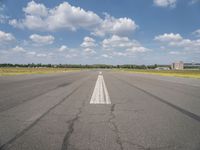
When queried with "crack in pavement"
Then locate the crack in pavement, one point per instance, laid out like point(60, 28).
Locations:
point(115, 130)
point(141, 147)
point(18, 135)
point(66, 141)
point(136, 145)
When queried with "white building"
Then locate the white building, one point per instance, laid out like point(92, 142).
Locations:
point(177, 65)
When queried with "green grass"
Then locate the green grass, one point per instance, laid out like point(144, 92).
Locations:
point(176, 73)
point(19, 71)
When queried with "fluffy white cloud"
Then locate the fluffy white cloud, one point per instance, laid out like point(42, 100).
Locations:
point(48, 39)
point(119, 54)
point(37, 16)
point(135, 49)
point(117, 26)
point(117, 42)
point(197, 33)
point(35, 9)
point(66, 16)
point(89, 51)
point(165, 3)
point(6, 37)
point(168, 37)
point(106, 56)
point(88, 42)
point(71, 55)
point(3, 18)
point(174, 52)
point(178, 42)
point(18, 49)
point(124, 44)
point(41, 55)
point(32, 53)
point(88, 46)
point(63, 48)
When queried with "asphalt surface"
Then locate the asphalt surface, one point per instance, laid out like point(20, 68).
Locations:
point(53, 112)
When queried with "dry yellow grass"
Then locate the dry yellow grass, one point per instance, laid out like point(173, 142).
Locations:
point(176, 73)
point(18, 71)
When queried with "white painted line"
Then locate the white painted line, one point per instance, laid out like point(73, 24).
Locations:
point(100, 94)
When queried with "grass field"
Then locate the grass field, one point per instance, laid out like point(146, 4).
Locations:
point(176, 73)
point(18, 71)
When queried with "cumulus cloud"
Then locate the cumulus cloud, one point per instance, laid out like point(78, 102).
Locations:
point(41, 55)
point(35, 9)
point(138, 48)
point(117, 26)
point(88, 45)
point(122, 46)
point(48, 39)
point(168, 37)
point(66, 16)
point(89, 51)
point(123, 43)
point(71, 55)
point(197, 33)
point(38, 17)
point(106, 56)
point(119, 54)
point(174, 52)
point(6, 37)
point(88, 42)
point(31, 53)
point(18, 49)
point(63, 48)
point(3, 17)
point(165, 3)
point(117, 42)
point(178, 42)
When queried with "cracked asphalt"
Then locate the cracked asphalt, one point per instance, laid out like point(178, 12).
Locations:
point(52, 112)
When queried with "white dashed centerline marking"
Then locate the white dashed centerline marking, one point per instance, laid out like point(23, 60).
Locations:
point(100, 94)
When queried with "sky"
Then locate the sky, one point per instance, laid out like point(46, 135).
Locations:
point(99, 31)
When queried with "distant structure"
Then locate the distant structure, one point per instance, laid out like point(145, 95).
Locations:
point(192, 64)
point(162, 68)
point(177, 65)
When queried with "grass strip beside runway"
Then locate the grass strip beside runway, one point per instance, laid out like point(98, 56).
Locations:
point(10, 71)
point(175, 73)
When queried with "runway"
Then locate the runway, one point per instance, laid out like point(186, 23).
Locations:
point(99, 110)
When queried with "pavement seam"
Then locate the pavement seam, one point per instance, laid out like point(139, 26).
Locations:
point(9, 142)
point(153, 82)
point(138, 146)
point(28, 100)
point(24, 101)
point(181, 110)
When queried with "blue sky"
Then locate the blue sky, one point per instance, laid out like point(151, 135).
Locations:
point(99, 31)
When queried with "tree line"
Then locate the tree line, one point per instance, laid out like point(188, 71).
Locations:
point(105, 66)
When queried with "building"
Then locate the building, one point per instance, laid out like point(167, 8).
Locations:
point(162, 68)
point(177, 65)
point(192, 65)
